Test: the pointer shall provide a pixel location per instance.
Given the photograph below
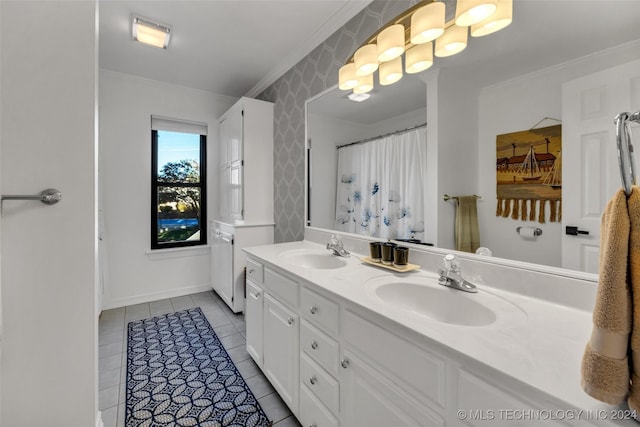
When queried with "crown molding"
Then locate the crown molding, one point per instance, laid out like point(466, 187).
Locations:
point(350, 9)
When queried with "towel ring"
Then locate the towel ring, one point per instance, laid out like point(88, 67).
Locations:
point(625, 149)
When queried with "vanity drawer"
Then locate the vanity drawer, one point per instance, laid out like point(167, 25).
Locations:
point(255, 271)
point(323, 385)
point(319, 310)
point(314, 413)
point(319, 346)
point(282, 287)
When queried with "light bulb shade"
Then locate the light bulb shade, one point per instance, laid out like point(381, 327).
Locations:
point(365, 84)
point(151, 33)
point(390, 42)
point(418, 58)
point(427, 23)
point(347, 76)
point(453, 41)
point(500, 19)
point(469, 12)
point(366, 60)
point(390, 71)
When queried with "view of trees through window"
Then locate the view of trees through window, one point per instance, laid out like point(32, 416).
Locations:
point(179, 189)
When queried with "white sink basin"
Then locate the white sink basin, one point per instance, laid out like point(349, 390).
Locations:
point(423, 296)
point(312, 259)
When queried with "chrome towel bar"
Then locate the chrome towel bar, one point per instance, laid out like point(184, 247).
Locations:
point(625, 149)
point(50, 196)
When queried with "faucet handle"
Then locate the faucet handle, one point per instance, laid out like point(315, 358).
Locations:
point(451, 263)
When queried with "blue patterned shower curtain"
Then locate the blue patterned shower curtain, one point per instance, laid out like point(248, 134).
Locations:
point(380, 189)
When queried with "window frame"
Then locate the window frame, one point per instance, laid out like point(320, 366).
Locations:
point(155, 184)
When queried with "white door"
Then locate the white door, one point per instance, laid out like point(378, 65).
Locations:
point(222, 265)
point(254, 319)
point(368, 399)
point(281, 353)
point(590, 174)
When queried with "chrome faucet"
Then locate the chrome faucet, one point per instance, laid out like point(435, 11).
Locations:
point(451, 276)
point(335, 244)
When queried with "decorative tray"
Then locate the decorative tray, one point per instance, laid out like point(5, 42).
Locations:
point(392, 267)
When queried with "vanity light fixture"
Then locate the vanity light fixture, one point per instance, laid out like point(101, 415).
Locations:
point(500, 19)
point(390, 71)
point(418, 58)
point(365, 84)
point(149, 32)
point(469, 12)
point(420, 25)
point(454, 40)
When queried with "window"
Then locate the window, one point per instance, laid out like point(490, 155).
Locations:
point(178, 184)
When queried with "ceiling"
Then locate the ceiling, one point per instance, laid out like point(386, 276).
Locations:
point(239, 47)
point(229, 47)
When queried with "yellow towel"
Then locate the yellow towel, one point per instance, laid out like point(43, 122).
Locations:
point(467, 233)
point(634, 269)
point(605, 370)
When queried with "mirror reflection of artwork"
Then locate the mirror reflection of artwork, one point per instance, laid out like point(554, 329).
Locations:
point(529, 174)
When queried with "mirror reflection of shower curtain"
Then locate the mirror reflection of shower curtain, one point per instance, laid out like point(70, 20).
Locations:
point(380, 186)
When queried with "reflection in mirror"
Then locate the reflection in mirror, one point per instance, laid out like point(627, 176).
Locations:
point(367, 161)
point(549, 62)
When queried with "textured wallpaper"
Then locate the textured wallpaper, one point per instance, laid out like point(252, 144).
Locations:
point(313, 74)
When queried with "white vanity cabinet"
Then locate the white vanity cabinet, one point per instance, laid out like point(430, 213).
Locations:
point(337, 363)
point(273, 331)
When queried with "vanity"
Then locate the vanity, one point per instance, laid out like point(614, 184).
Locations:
point(346, 343)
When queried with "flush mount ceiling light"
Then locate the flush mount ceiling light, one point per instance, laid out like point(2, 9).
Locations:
point(411, 34)
point(149, 32)
point(358, 97)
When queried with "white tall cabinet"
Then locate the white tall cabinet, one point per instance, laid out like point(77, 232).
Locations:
point(245, 173)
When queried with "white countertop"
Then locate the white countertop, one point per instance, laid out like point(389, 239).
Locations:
point(533, 341)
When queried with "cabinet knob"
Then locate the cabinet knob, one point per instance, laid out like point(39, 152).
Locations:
point(314, 345)
point(313, 380)
point(313, 425)
point(344, 363)
point(290, 320)
point(313, 309)
point(251, 271)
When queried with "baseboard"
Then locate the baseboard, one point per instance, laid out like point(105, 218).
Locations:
point(99, 422)
point(172, 293)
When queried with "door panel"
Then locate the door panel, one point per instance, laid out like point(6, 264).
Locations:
point(590, 165)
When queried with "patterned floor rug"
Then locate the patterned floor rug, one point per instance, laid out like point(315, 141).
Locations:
point(179, 374)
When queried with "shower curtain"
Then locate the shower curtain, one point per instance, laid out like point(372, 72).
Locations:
point(380, 186)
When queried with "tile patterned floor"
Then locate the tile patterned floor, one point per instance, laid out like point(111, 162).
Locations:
point(229, 327)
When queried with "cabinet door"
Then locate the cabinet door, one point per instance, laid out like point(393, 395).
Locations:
point(367, 399)
point(281, 355)
point(254, 315)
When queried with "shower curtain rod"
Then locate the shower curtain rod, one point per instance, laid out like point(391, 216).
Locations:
point(362, 141)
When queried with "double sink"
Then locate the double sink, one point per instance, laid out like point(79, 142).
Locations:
point(419, 294)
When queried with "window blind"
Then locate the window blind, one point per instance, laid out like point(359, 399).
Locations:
point(174, 125)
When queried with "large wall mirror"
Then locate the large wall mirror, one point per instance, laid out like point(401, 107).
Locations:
point(502, 83)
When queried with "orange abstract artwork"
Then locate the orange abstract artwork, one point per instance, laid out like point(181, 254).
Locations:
point(529, 174)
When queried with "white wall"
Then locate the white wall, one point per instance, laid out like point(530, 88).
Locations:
point(126, 105)
point(454, 156)
point(518, 105)
point(48, 98)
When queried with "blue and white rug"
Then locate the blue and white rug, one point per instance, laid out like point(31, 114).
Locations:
point(179, 374)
